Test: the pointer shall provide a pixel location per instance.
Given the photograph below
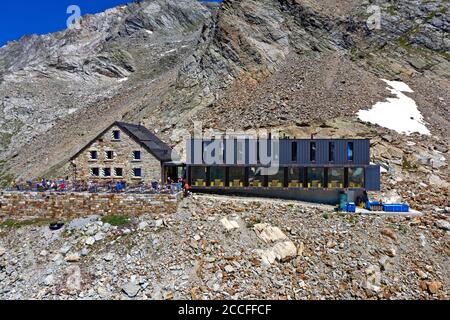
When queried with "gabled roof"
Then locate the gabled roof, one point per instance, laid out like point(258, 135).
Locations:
point(144, 137)
point(149, 140)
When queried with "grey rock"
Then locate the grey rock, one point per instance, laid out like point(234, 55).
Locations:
point(90, 241)
point(66, 248)
point(443, 224)
point(142, 225)
point(131, 289)
point(99, 236)
point(80, 223)
point(159, 223)
point(109, 256)
point(43, 253)
point(422, 240)
point(49, 280)
point(229, 269)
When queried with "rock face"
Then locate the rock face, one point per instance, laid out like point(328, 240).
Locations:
point(48, 80)
point(250, 63)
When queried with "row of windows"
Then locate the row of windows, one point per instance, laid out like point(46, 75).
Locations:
point(294, 151)
point(109, 155)
point(331, 151)
point(116, 172)
point(298, 177)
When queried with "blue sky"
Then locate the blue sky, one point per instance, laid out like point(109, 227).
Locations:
point(25, 17)
point(21, 17)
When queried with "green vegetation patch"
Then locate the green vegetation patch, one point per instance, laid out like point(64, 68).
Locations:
point(116, 220)
point(11, 223)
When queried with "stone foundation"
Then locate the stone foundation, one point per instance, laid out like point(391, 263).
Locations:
point(73, 205)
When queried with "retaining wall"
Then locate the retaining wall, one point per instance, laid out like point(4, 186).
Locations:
point(72, 205)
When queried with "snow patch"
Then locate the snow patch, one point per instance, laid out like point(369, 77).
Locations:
point(399, 114)
point(382, 169)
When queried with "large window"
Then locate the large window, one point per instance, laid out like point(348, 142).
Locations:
point(217, 176)
point(315, 177)
point(356, 178)
point(295, 177)
point(312, 152)
point(350, 153)
point(258, 158)
point(198, 176)
point(331, 151)
point(294, 151)
point(236, 176)
point(335, 177)
point(255, 179)
point(276, 180)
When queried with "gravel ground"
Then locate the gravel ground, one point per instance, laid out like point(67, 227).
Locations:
point(192, 255)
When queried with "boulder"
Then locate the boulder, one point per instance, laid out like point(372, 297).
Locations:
point(282, 251)
point(229, 224)
point(268, 233)
point(131, 289)
point(443, 224)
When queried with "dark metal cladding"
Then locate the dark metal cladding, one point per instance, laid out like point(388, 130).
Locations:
point(372, 178)
point(327, 191)
point(361, 151)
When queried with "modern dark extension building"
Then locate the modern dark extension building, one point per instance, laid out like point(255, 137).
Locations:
point(316, 170)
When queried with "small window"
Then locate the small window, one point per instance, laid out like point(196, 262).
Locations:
point(118, 172)
point(93, 155)
point(137, 172)
point(116, 135)
point(95, 172)
point(312, 151)
point(350, 153)
point(109, 155)
point(331, 152)
point(136, 155)
point(107, 172)
point(294, 151)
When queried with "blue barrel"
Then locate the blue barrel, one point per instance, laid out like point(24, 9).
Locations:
point(343, 201)
point(351, 207)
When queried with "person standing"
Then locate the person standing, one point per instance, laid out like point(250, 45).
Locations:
point(186, 190)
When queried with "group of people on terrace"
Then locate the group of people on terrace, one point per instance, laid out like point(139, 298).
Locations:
point(92, 186)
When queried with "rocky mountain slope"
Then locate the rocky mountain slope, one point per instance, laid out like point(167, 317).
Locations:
point(297, 65)
point(70, 81)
